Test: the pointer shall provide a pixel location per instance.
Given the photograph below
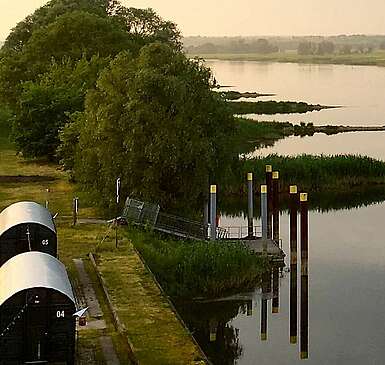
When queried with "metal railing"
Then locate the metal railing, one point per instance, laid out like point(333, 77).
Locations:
point(239, 232)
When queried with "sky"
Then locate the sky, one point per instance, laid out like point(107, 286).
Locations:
point(244, 17)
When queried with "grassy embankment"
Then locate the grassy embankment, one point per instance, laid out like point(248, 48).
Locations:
point(371, 59)
point(273, 107)
point(317, 174)
point(164, 338)
point(253, 134)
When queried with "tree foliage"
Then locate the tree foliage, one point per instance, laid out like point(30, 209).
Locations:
point(155, 122)
point(62, 33)
point(46, 105)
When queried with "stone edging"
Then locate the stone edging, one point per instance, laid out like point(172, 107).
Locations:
point(167, 298)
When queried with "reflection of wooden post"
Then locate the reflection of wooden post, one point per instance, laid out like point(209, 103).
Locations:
point(293, 303)
point(250, 212)
point(269, 177)
point(275, 189)
point(275, 301)
point(304, 322)
point(266, 287)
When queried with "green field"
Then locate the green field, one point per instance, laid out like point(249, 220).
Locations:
point(371, 59)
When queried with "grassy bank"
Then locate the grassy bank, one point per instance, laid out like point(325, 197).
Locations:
point(273, 107)
point(253, 134)
point(371, 59)
point(77, 242)
point(318, 173)
point(188, 269)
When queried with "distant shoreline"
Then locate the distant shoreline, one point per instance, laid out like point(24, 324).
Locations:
point(370, 59)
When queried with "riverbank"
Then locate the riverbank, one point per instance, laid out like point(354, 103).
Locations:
point(274, 107)
point(371, 59)
point(254, 134)
point(77, 242)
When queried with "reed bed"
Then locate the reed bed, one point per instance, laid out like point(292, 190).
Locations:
point(319, 173)
point(190, 269)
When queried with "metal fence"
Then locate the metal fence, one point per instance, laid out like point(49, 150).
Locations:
point(143, 213)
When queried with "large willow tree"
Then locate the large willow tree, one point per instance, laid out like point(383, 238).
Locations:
point(65, 32)
point(155, 122)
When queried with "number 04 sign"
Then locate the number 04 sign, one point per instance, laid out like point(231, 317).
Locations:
point(60, 314)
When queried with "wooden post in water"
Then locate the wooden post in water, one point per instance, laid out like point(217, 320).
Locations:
point(304, 321)
point(275, 188)
point(264, 217)
point(213, 212)
point(293, 263)
point(275, 301)
point(250, 211)
point(269, 184)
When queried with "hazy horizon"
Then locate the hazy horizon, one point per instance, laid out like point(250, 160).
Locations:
point(248, 18)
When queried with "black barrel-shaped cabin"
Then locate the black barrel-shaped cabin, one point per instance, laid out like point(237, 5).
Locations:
point(26, 226)
point(36, 311)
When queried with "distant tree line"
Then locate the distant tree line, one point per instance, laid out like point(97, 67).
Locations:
point(343, 44)
point(236, 46)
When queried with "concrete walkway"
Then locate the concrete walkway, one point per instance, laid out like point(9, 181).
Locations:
point(109, 351)
point(89, 293)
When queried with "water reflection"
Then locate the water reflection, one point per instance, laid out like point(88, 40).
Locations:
point(354, 87)
point(234, 207)
point(359, 143)
point(212, 322)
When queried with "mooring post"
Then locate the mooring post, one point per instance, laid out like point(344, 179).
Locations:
point(275, 301)
point(304, 321)
point(213, 212)
point(75, 210)
point(206, 216)
point(269, 184)
point(275, 188)
point(250, 204)
point(264, 217)
point(293, 223)
point(46, 198)
point(293, 262)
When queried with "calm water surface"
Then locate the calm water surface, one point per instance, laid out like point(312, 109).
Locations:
point(359, 89)
point(346, 299)
point(359, 143)
point(346, 293)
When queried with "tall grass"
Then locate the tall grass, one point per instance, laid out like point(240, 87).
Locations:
point(187, 269)
point(272, 107)
point(319, 173)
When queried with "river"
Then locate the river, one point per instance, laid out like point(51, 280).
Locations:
point(346, 245)
point(358, 89)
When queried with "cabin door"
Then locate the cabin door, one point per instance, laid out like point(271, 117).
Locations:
point(37, 326)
